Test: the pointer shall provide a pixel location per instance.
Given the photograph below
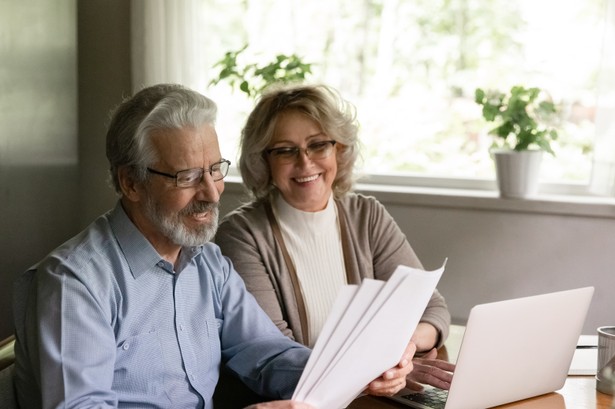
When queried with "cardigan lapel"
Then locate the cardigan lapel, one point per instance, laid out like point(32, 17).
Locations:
point(293, 275)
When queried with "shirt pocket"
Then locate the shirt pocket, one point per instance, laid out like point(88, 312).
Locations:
point(139, 369)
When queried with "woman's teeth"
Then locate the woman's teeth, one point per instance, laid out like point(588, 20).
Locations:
point(306, 179)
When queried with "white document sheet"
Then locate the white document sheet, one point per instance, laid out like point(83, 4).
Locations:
point(344, 298)
point(585, 359)
point(366, 334)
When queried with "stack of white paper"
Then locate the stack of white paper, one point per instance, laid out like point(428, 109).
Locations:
point(365, 334)
point(585, 358)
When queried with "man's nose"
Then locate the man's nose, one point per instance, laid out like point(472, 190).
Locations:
point(208, 189)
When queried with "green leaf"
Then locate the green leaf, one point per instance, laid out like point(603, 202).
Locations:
point(479, 96)
point(526, 116)
point(253, 78)
point(245, 87)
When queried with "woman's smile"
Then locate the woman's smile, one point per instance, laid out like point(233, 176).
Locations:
point(307, 179)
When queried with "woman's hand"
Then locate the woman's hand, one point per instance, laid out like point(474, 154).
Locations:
point(431, 371)
point(425, 337)
point(281, 404)
point(393, 380)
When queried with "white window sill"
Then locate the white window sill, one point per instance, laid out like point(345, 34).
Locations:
point(477, 199)
point(588, 206)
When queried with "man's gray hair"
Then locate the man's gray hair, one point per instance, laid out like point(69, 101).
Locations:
point(159, 107)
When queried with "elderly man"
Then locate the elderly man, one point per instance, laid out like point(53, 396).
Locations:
point(140, 309)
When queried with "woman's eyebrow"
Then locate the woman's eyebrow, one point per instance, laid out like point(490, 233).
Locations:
point(321, 133)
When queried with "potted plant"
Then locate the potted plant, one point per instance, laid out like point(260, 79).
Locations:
point(526, 120)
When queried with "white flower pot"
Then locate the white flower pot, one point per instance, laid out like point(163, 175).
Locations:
point(517, 172)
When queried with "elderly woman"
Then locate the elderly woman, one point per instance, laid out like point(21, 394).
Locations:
point(305, 234)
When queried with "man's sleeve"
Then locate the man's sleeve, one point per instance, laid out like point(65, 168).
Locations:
point(253, 347)
point(76, 344)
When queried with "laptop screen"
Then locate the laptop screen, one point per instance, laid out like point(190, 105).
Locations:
point(517, 349)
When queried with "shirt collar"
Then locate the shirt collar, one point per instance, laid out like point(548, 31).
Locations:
point(140, 255)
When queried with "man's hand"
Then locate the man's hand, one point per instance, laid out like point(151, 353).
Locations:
point(393, 380)
point(431, 371)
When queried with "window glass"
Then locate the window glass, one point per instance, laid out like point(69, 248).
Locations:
point(411, 68)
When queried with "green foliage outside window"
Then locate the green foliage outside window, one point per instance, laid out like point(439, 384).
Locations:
point(252, 78)
point(411, 69)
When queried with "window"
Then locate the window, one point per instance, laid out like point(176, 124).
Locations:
point(411, 67)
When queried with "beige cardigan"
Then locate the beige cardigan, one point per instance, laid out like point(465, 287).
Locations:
point(375, 246)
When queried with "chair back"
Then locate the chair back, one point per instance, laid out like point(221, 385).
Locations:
point(7, 368)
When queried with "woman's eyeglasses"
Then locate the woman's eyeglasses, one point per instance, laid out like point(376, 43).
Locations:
point(289, 154)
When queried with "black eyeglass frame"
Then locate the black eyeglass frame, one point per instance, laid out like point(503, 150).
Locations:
point(199, 179)
point(296, 150)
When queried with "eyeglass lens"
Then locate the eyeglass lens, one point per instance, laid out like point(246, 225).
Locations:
point(316, 150)
point(192, 177)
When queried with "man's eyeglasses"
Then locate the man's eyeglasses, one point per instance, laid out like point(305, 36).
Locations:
point(289, 154)
point(193, 177)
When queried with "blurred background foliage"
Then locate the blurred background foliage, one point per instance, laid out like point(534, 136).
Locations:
point(411, 68)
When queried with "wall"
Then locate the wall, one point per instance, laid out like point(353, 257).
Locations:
point(495, 255)
point(38, 137)
point(65, 65)
point(104, 80)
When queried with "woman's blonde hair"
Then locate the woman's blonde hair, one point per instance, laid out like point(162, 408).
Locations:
point(323, 104)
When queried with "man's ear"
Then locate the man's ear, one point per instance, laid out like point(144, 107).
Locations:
point(128, 186)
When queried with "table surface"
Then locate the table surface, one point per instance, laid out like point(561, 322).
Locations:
point(579, 392)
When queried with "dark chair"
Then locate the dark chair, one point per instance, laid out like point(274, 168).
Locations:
point(7, 367)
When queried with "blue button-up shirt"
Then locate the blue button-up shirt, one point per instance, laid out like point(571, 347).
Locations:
point(104, 321)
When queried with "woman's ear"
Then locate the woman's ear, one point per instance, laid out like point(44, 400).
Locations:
point(128, 185)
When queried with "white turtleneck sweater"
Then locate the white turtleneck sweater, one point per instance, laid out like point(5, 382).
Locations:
point(314, 244)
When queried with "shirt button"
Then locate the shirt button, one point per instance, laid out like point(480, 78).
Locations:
point(181, 327)
point(125, 346)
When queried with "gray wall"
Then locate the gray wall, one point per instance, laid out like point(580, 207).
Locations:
point(63, 66)
point(104, 80)
point(38, 136)
point(499, 254)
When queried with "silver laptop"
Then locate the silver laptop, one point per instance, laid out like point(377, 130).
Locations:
point(512, 350)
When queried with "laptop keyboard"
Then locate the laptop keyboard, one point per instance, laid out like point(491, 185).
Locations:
point(432, 398)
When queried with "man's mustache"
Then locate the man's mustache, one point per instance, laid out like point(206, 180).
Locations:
point(199, 207)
